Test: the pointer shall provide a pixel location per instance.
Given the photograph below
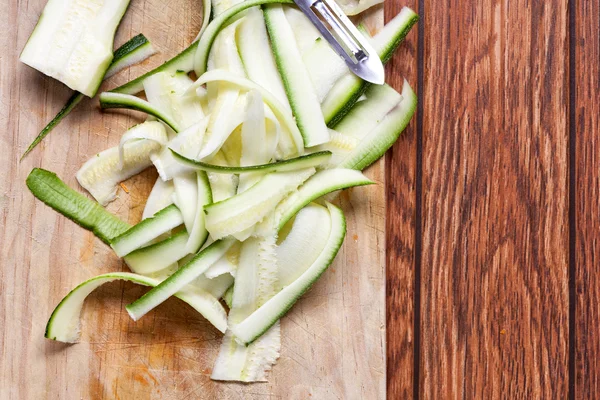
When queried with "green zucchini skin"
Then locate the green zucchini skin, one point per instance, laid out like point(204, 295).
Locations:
point(292, 164)
point(158, 256)
point(298, 86)
point(118, 100)
point(135, 50)
point(53, 192)
point(129, 47)
point(69, 106)
point(147, 230)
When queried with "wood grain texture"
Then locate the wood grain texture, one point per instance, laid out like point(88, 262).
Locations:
point(333, 340)
point(495, 200)
point(587, 200)
point(401, 164)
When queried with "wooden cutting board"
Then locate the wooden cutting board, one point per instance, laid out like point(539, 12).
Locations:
point(333, 341)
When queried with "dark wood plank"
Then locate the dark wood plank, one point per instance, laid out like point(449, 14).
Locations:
point(495, 200)
point(400, 225)
point(587, 273)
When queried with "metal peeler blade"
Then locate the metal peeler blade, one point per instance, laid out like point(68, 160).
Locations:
point(344, 38)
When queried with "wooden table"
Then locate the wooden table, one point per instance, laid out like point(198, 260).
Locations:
point(494, 204)
point(493, 285)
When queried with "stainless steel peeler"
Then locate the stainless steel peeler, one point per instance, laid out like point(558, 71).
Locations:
point(344, 38)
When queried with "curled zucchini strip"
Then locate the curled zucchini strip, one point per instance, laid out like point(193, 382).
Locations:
point(189, 142)
point(64, 323)
point(295, 142)
point(257, 323)
point(293, 164)
point(118, 100)
point(101, 174)
point(150, 130)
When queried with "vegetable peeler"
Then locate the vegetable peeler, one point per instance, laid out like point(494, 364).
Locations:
point(344, 38)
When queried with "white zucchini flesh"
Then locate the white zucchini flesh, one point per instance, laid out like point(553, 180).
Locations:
point(222, 186)
point(291, 144)
point(102, 173)
point(178, 281)
point(258, 143)
point(324, 67)
point(189, 142)
point(198, 233)
point(305, 241)
point(64, 323)
point(73, 42)
point(255, 52)
point(147, 230)
point(158, 256)
point(354, 7)
point(384, 134)
point(227, 264)
point(228, 297)
point(319, 184)
point(269, 313)
point(256, 282)
point(206, 13)
point(226, 116)
point(160, 197)
point(298, 85)
point(367, 114)
point(166, 91)
point(305, 32)
point(237, 362)
point(186, 197)
point(219, 6)
point(226, 108)
point(149, 130)
point(246, 209)
point(254, 138)
point(340, 147)
point(216, 286)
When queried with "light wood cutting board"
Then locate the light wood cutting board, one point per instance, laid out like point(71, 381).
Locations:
point(333, 340)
